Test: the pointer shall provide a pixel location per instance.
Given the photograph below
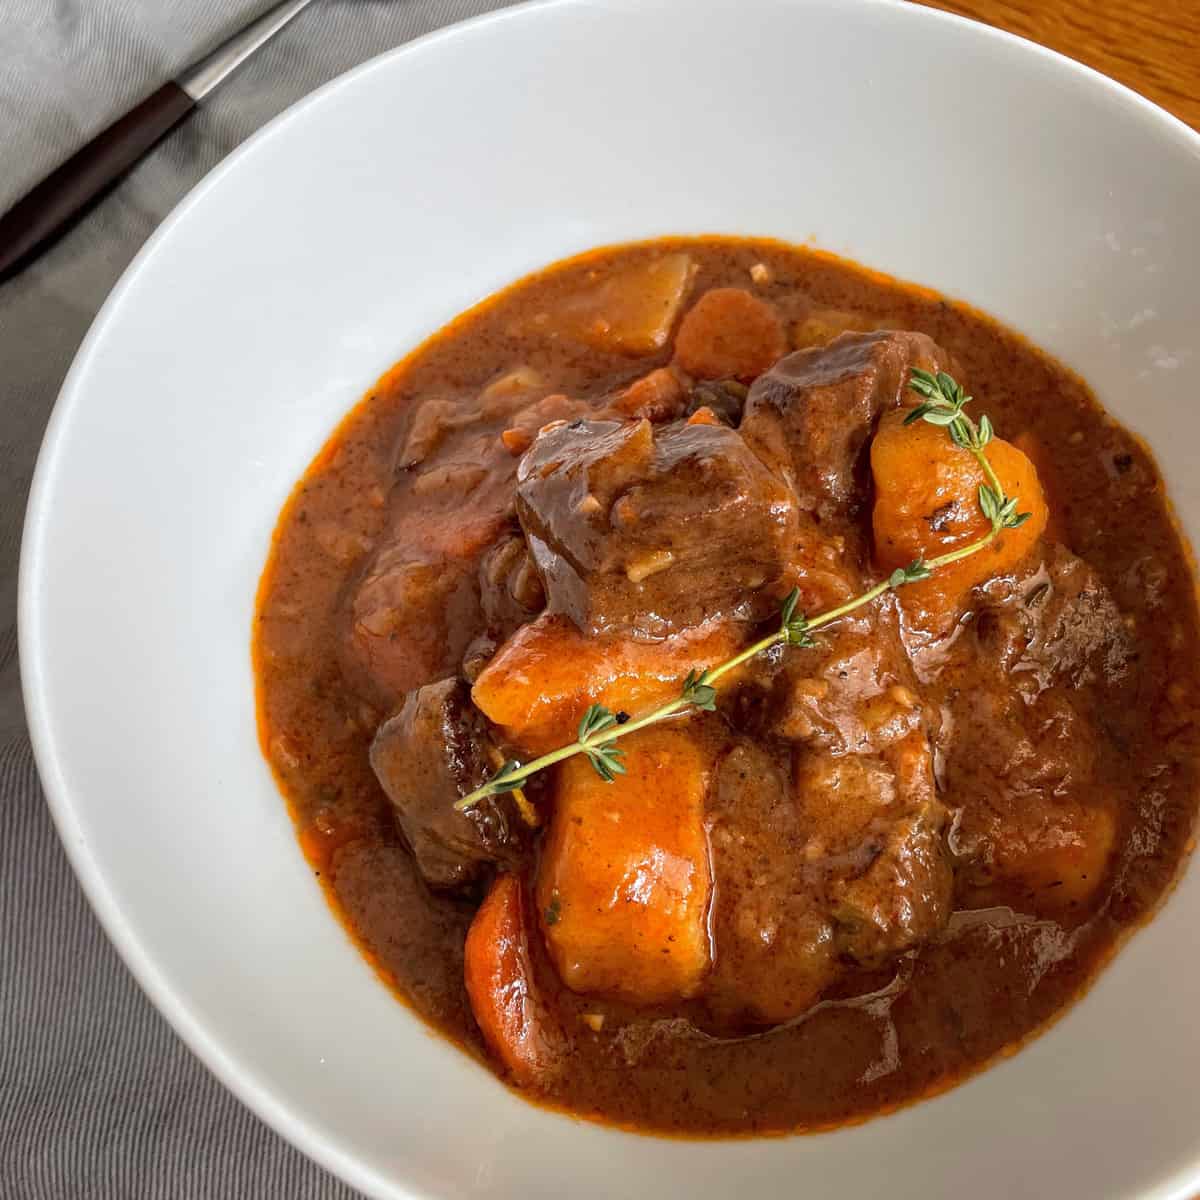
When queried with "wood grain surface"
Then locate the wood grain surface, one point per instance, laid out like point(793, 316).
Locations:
point(1152, 46)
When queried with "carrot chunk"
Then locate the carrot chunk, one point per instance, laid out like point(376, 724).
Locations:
point(624, 883)
point(729, 333)
point(516, 1024)
point(658, 396)
point(542, 679)
point(927, 503)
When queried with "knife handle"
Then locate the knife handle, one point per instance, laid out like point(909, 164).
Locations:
point(64, 194)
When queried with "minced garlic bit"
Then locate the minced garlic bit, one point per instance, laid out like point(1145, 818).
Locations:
point(594, 1021)
point(648, 564)
point(761, 273)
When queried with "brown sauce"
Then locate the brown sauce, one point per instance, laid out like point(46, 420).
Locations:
point(1011, 956)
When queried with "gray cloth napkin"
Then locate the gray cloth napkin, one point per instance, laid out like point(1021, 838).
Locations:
point(98, 1098)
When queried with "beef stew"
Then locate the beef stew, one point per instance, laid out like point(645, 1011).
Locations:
point(882, 859)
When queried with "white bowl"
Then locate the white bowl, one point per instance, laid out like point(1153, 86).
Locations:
point(337, 239)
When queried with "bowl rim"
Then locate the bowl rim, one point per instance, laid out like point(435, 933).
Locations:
point(266, 1102)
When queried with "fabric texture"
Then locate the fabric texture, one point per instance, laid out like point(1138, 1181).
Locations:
point(98, 1097)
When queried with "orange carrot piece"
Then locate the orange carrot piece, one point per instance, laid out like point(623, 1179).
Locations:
point(729, 333)
point(542, 679)
point(624, 882)
point(658, 396)
point(498, 973)
point(927, 503)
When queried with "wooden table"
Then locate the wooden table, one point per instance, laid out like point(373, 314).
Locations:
point(1152, 46)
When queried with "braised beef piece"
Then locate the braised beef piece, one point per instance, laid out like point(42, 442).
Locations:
point(844, 861)
point(406, 621)
point(773, 938)
point(1032, 787)
point(901, 896)
point(1058, 623)
point(853, 692)
point(863, 782)
point(431, 753)
point(510, 595)
point(426, 592)
point(510, 589)
point(643, 532)
point(811, 414)
point(1028, 763)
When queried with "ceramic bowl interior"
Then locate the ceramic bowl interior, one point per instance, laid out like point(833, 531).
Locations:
point(333, 243)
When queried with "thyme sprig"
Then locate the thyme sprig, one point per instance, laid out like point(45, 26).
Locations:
point(943, 402)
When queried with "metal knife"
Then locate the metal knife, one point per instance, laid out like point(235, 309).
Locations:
point(45, 212)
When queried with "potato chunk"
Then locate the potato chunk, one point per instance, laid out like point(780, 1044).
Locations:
point(543, 678)
point(822, 325)
point(927, 503)
point(624, 882)
point(627, 311)
point(515, 1022)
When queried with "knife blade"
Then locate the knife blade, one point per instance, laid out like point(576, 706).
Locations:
point(45, 212)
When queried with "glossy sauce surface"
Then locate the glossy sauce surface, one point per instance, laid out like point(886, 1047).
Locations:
point(1111, 741)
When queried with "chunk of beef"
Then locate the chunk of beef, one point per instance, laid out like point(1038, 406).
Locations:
point(811, 414)
point(1057, 624)
point(1028, 755)
point(773, 937)
point(851, 693)
point(510, 595)
point(431, 753)
point(904, 897)
point(1035, 812)
point(891, 883)
point(846, 861)
point(406, 622)
point(432, 421)
point(511, 591)
point(410, 613)
point(624, 521)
